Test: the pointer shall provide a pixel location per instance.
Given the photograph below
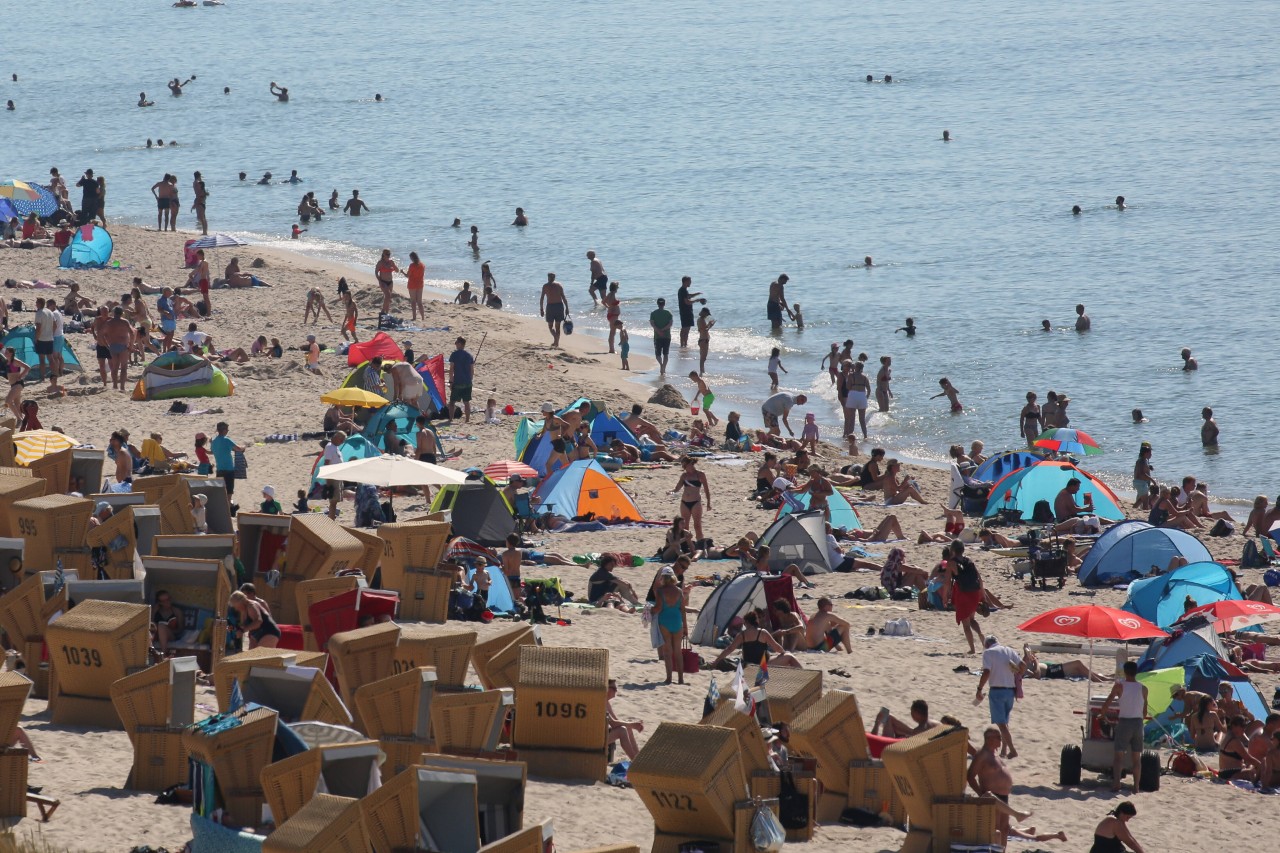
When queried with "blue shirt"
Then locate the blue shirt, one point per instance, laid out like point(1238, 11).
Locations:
point(165, 306)
point(462, 362)
point(223, 448)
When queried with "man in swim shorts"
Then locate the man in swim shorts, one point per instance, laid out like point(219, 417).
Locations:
point(461, 374)
point(599, 278)
point(778, 302)
point(660, 320)
point(827, 631)
point(117, 334)
point(553, 304)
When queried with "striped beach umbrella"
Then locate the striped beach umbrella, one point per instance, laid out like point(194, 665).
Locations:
point(1065, 440)
point(38, 443)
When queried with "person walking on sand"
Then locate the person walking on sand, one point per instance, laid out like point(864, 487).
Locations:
point(553, 304)
point(43, 337)
point(352, 314)
point(778, 303)
point(692, 485)
point(883, 377)
point(384, 272)
point(660, 321)
point(668, 612)
point(1208, 430)
point(624, 344)
point(118, 333)
point(1001, 667)
point(461, 375)
point(224, 457)
point(612, 311)
point(685, 298)
point(966, 591)
point(703, 393)
point(705, 322)
point(953, 396)
point(599, 278)
point(416, 273)
point(1131, 697)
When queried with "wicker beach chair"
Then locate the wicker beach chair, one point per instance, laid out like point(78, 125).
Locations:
point(200, 589)
point(118, 541)
point(500, 787)
point(55, 470)
point(308, 592)
point(326, 824)
point(397, 712)
point(297, 693)
point(755, 753)
point(470, 722)
point(318, 547)
point(409, 559)
point(930, 767)
point(361, 657)
point(561, 730)
point(236, 754)
point(155, 706)
point(789, 690)
point(12, 490)
point(90, 648)
point(494, 644)
point(54, 528)
point(346, 770)
point(446, 648)
point(237, 666)
point(24, 616)
point(373, 545)
point(14, 690)
point(171, 493)
point(422, 802)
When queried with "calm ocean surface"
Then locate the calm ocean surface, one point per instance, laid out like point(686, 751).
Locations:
point(733, 143)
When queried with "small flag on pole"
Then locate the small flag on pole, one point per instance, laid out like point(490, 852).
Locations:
point(762, 677)
point(237, 698)
point(59, 578)
point(713, 697)
point(740, 692)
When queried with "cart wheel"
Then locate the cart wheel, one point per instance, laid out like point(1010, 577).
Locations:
point(1069, 770)
point(1150, 763)
point(1062, 581)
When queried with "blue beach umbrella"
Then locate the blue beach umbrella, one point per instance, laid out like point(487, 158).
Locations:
point(44, 203)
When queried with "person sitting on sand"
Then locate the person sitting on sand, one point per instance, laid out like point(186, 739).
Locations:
point(21, 740)
point(898, 491)
point(826, 631)
point(642, 428)
point(605, 589)
point(621, 731)
point(897, 572)
point(1166, 513)
point(74, 302)
point(790, 631)
point(887, 725)
point(679, 541)
point(1235, 761)
point(1066, 669)
point(756, 644)
point(760, 562)
point(1112, 835)
point(236, 278)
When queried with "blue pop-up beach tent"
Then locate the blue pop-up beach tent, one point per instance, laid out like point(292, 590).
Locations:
point(1134, 549)
point(90, 248)
point(1003, 464)
point(23, 340)
point(1024, 488)
point(843, 515)
point(1161, 599)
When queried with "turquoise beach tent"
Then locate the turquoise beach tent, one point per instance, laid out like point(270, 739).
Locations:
point(1003, 464)
point(1131, 552)
point(1025, 487)
point(525, 433)
point(90, 248)
point(355, 447)
point(499, 600)
point(843, 515)
point(23, 340)
point(404, 417)
point(583, 487)
point(1160, 599)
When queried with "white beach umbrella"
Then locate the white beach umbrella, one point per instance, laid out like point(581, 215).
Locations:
point(388, 471)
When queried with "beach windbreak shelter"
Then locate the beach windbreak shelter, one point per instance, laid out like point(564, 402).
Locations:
point(89, 249)
point(180, 374)
point(799, 538)
point(380, 344)
point(401, 417)
point(1162, 599)
point(23, 340)
point(1134, 549)
point(1026, 487)
point(584, 487)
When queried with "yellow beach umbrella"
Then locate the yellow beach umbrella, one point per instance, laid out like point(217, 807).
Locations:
point(354, 397)
point(38, 443)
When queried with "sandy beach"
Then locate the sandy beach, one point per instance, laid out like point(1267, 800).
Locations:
point(517, 366)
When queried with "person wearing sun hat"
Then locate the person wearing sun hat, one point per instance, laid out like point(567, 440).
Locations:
point(270, 505)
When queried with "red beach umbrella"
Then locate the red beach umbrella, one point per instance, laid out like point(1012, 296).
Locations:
point(1234, 615)
point(1093, 622)
point(504, 469)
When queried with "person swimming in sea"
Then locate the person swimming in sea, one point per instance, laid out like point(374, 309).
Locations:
point(457, 223)
point(1046, 326)
point(1189, 363)
point(293, 178)
point(143, 102)
point(866, 262)
point(888, 78)
point(377, 98)
point(1138, 418)
point(871, 78)
point(1120, 205)
point(953, 396)
point(521, 220)
point(1075, 210)
point(175, 88)
point(281, 93)
point(946, 136)
point(910, 328)
point(149, 143)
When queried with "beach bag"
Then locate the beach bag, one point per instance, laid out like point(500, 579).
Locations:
point(767, 835)
point(242, 466)
point(1222, 528)
point(1252, 557)
point(793, 806)
point(691, 662)
point(1183, 763)
point(1271, 577)
point(568, 327)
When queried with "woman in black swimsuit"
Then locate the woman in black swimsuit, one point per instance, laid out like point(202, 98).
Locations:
point(692, 485)
point(756, 643)
point(1235, 761)
point(1112, 834)
point(255, 620)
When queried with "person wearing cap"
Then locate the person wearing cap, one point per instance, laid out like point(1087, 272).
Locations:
point(1001, 668)
point(270, 505)
point(409, 355)
point(1112, 834)
point(553, 304)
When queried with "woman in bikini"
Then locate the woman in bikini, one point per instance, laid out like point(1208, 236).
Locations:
point(858, 390)
point(898, 491)
point(1234, 759)
point(692, 485)
point(15, 370)
point(705, 322)
point(384, 271)
point(819, 490)
point(668, 610)
point(1205, 725)
point(255, 620)
point(612, 311)
point(1030, 420)
point(756, 644)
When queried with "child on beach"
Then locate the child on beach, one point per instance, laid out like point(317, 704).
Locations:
point(831, 361)
point(775, 364)
point(733, 433)
point(297, 232)
point(624, 344)
point(795, 309)
point(491, 412)
point(953, 396)
point(705, 394)
point(910, 328)
point(300, 507)
point(349, 321)
point(809, 435)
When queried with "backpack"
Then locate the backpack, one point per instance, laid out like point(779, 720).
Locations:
point(1042, 513)
point(1252, 557)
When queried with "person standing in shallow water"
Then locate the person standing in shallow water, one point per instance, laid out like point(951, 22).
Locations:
point(1209, 430)
point(1083, 323)
point(883, 377)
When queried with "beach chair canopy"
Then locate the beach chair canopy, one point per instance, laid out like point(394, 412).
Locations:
point(380, 344)
point(1161, 599)
point(1133, 549)
point(583, 487)
point(478, 511)
point(90, 248)
point(23, 340)
point(179, 374)
point(1002, 464)
point(1024, 488)
point(799, 538)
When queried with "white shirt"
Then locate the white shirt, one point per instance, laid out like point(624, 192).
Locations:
point(834, 555)
point(1001, 662)
point(773, 364)
point(57, 322)
point(332, 454)
point(44, 325)
point(1133, 706)
point(193, 341)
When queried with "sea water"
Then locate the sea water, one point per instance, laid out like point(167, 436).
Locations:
point(734, 142)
